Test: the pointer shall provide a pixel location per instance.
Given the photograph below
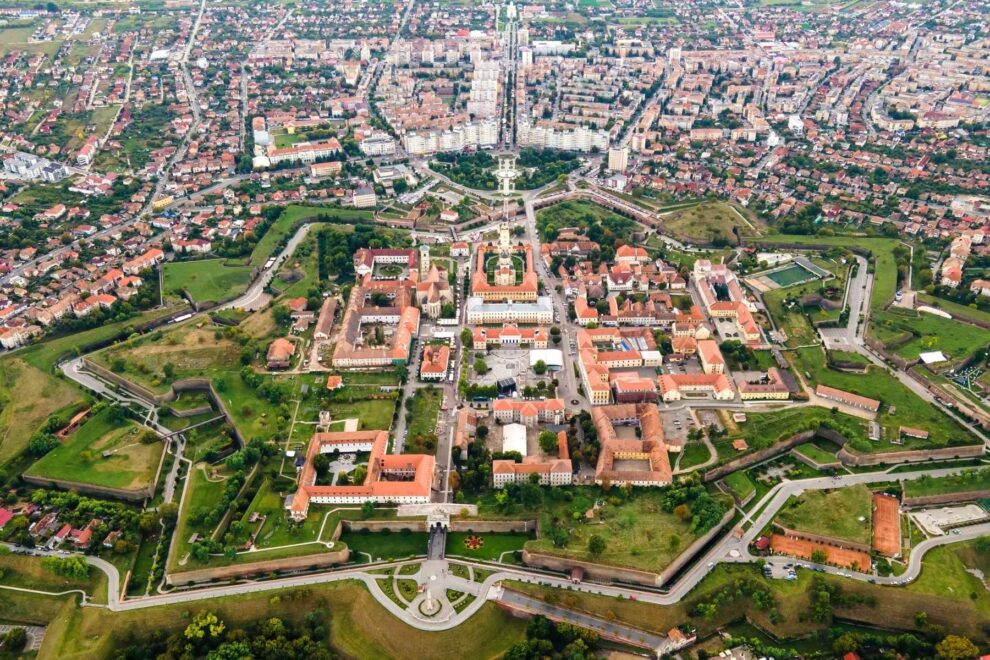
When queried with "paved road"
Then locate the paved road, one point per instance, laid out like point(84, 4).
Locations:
point(607, 629)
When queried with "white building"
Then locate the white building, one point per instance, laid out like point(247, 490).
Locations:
point(618, 159)
point(579, 139)
point(481, 313)
point(471, 134)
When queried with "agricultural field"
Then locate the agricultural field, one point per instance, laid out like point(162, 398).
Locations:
point(205, 281)
point(106, 450)
point(16, 38)
point(711, 223)
point(843, 513)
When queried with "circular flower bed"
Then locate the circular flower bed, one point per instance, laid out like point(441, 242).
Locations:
point(474, 542)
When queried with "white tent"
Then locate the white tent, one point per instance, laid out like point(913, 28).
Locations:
point(514, 438)
point(552, 357)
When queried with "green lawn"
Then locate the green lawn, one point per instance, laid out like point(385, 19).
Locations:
point(929, 332)
point(372, 413)
point(694, 453)
point(966, 481)
point(638, 532)
point(389, 545)
point(816, 453)
point(740, 484)
point(129, 463)
point(953, 308)
point(422, 418)
point(207, 280)
point(761, 430)
point(843, 513)
point(900, 406)
point(291, 215)
point(710, 222)
point(493, 545)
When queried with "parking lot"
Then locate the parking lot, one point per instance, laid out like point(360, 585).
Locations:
point(676, 424)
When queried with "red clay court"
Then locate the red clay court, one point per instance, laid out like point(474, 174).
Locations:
point(886, 524)
point(837, 556)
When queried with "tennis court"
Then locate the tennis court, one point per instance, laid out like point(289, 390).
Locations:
point(886, 525)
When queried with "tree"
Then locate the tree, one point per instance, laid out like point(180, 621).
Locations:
point(74, 567)
point(42, 444)
point(169, 512)
point(321, 463)
point(596, 545)
point(204, 624)
point(368, 509)
point(480, 366)
point(819, 556)
point(467, 338)
point(954, 647)
point(548, 442)
point(14, 641)
point(540, 367)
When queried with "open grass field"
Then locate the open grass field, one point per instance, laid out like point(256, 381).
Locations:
point(389, 545)
point(908, 408)
point(711, 222)
point(30, 391)
point(28, 396)
point(16, 38)
point(190, 351)
point(764, 429)
point(965, 481)
point(103, 452)
point(207, 280)
point(953, 308)
point(638, 532)
point(373, 413)
point(843, 513)
point(929, 332)
point(27, 573)
point(359, 626)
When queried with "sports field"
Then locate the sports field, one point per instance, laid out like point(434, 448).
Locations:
point(802, 548)
point(208, 280)
point(790, 275)
point(886, 524)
